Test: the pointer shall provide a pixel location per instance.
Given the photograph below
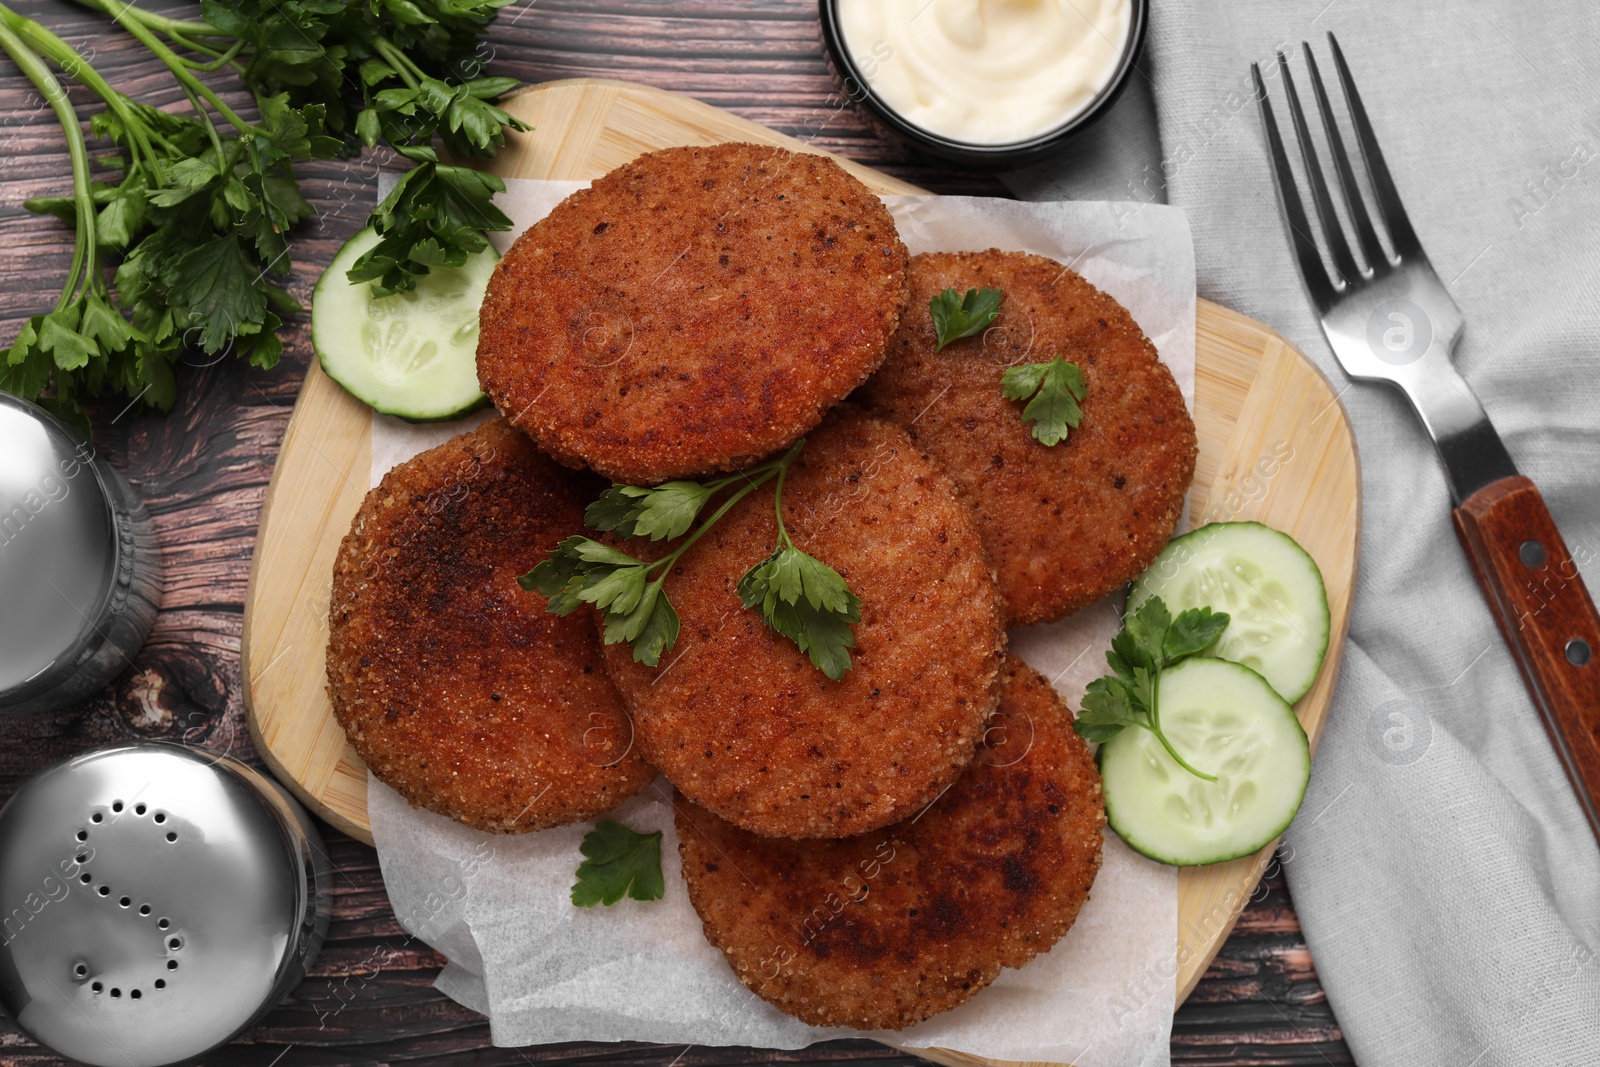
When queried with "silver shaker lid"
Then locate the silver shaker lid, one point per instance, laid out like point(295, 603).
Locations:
point(158, 899)
point(57, 543)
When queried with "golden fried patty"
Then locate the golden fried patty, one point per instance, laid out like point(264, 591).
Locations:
point(692, 311)
point(456, 686)
point(736, 715)
point(1063, 525)
point(884, 930)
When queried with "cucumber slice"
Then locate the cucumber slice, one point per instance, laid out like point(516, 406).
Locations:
point(413, 354)
point(1269, 586)
point(1227, 721)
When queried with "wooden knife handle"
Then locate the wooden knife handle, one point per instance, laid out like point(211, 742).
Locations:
point(1546, 615)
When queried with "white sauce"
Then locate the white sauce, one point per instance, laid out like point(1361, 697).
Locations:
point(986, 71)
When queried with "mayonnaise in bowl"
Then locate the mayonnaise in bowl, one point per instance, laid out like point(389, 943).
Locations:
point(987, 72)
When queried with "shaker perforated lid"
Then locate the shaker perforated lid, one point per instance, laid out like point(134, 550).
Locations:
point(57, 542)
point(157, 900)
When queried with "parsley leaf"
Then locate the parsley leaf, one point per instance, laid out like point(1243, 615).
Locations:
point(806, 601)
point(651, 628)
point(1056, 388)
point(1192, 632)
point(803, 598)
point(216, 281)
point(1107, 709)
point(956, 316)
point(635, 608)
point(665, 512)
point(1150, 641)
point(60, 337)
point(620, 863)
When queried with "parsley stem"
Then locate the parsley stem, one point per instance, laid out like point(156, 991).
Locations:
point(1155, 728)
point(63, 55)
point(224, 165)
point(161, 23)
point(183, 33)
point(763, 474)
point(672, 557)
point(718, 484)
point(1161, 735)
point(128, 17)
point(777, 491)
point(85, 263)
point(1181, 761)
point(396, 59)
point(218, 59)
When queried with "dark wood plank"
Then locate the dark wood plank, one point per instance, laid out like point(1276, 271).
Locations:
point(203, 470)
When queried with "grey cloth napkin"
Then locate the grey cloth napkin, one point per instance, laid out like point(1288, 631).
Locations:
point(1447, 884)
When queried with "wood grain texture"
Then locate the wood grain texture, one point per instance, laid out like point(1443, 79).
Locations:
point(203, 469)
point(1546, 615)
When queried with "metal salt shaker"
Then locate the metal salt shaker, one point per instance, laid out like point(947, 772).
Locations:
point(80, 573)
point(157, 901)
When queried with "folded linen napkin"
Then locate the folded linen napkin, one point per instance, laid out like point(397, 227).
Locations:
point(1447, 884)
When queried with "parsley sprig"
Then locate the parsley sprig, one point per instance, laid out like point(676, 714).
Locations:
point(1151, 640)
point(1056, 388)
point(620, 863)
point(630, 593)
point(799, 596)
point(956, 316)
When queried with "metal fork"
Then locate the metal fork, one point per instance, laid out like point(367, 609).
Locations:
point(1394, 321)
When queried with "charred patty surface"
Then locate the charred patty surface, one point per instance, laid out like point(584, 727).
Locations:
point(887, 929)
point(455, 685)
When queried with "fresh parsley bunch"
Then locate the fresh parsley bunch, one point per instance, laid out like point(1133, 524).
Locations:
point(401, 72)
point(799, 596)
point(193, 209)
point(1150, 641)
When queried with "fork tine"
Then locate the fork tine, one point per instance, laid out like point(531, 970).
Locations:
point(1312, 272)
point(1370, 248)
point(1389, 204)
point(1343, 262)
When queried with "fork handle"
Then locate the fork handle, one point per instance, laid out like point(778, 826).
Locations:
point(1546, 616)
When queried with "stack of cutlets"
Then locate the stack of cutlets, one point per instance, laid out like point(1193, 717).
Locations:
point(866, 852)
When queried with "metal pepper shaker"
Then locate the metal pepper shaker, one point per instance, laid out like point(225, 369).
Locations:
point(80, 573)
point(158, 900)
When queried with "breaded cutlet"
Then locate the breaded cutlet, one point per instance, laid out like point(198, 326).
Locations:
point(738, 718)
point(692, 311)
point(1067, 524)
point(455, 685)
point(887, 929)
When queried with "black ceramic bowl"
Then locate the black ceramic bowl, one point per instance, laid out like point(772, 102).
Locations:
point(1010, 154)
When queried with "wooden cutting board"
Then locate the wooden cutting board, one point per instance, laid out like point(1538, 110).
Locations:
point(1274, 447)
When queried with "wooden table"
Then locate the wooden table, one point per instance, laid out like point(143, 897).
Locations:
point(203, 468)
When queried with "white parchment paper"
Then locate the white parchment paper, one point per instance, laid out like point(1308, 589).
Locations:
point(544, 971)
